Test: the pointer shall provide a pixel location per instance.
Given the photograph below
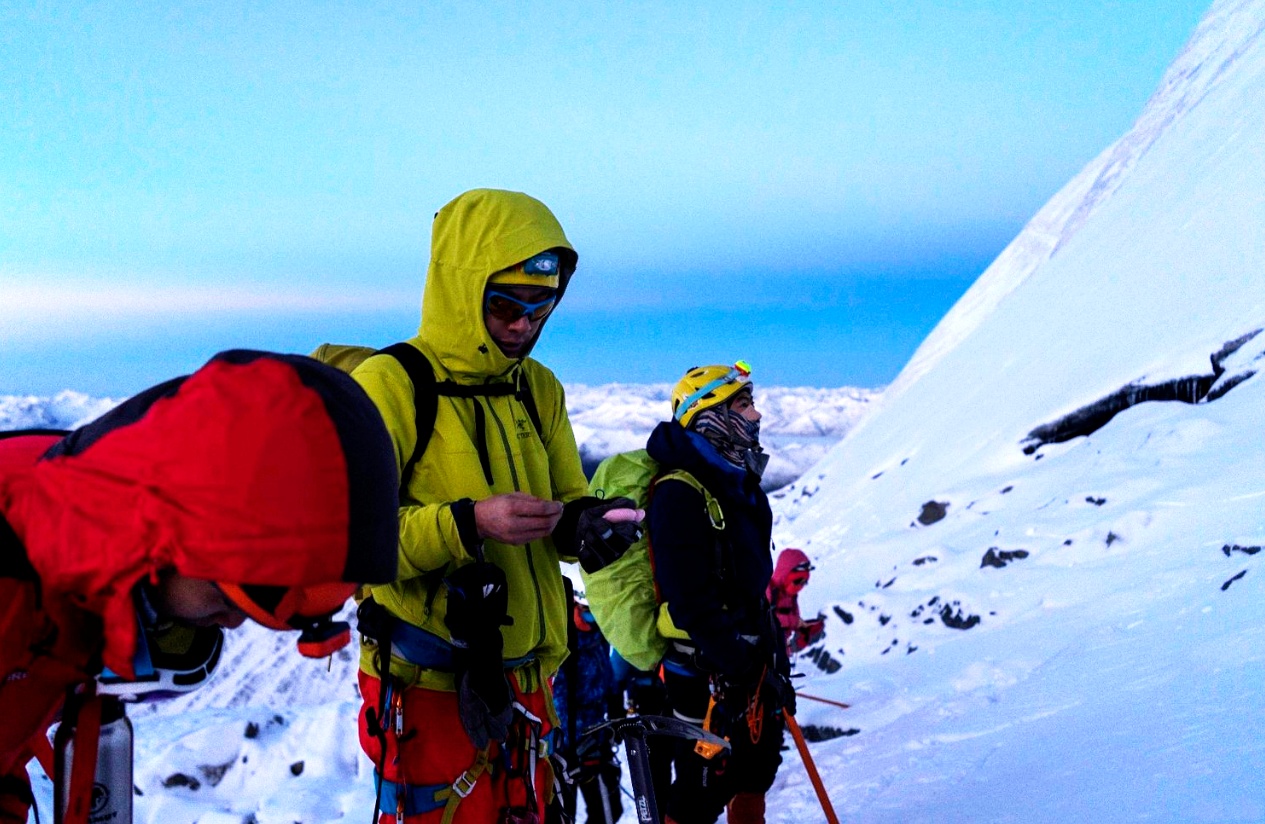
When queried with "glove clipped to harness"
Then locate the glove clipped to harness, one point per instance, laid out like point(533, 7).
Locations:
point(600, 531)
point(781, 691)
point(478, 606)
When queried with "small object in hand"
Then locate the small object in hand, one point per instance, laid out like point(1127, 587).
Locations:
point(621, 516)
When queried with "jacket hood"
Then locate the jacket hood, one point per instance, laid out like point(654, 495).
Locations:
point(787, 561)
point(479, 233)
point(257, 469)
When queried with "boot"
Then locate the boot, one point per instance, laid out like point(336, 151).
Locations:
point(746, 808)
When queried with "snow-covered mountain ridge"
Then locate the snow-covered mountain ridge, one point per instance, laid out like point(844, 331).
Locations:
point(1039, 557)
point(1228, 32)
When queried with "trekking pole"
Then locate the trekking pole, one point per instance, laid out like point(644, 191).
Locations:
point(838, 704)
point(813, 775)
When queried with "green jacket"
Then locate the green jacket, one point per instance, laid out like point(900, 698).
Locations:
point(479, 233)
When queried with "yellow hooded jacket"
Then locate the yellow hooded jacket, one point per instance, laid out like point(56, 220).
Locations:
point(474, 236)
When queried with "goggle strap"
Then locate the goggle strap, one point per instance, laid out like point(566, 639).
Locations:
point(246, 604)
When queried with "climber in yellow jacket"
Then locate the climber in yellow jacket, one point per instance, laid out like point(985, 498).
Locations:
point(476, 622)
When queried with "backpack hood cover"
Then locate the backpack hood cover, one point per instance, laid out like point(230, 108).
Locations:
point(476, 235)
point(256, 469)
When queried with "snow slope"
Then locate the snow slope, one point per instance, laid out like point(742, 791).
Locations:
point(1078, 638)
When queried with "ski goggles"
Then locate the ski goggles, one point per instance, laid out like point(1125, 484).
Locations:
point(170, 661)
point(505, 307)
point(740, 373)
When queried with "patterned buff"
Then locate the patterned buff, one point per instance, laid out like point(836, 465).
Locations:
point(733, 435)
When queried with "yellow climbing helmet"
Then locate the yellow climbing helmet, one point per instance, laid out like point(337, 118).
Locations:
point(706, 386)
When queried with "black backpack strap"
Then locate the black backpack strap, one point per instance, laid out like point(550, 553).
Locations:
point(425, 401)
point(14, 562)
point(426, 392)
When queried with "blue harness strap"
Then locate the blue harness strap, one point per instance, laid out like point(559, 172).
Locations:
point(417, 800)
point(422, 648)
point(426, 649)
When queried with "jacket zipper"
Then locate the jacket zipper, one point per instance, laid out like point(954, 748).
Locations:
point(530, 549)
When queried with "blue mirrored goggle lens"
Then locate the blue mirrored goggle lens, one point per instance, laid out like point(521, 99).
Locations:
point(508, 308)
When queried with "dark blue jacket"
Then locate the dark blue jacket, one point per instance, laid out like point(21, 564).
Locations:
point(713, 582)
point(584, 688)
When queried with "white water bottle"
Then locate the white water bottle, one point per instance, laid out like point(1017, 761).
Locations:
point(112, 785)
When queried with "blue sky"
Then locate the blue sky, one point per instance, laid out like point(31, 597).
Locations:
point(809, 187)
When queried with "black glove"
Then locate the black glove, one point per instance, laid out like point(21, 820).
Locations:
point(599, 542)
point(780, 691)
point(478, 603)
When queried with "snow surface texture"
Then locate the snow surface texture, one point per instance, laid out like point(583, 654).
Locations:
point(1069, 634)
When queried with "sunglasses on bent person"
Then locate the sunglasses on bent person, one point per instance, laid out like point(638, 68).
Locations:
point(506, 307)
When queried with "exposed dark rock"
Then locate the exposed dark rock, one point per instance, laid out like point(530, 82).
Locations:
point(932, 511)
point(889, 583)
point(883, 619)
point(214, 773)
point(1190, 389)
point(1068, 542)
point(911, 649)
point(1007, 489)
point(1095, 501)
point(926, 559)
point(876, 476)
point(824, 661)
point(252, 729)
point(296, 768)
point(136, 790)
point(954, 618)
point(930, 621)
point(1246, 550)
point(1000, 557)
point(181, 780)
point(1218, 392)
point(1112, 538)
point(844, 615)
point(1226, 585)
point(902, 463)
point(816, 733)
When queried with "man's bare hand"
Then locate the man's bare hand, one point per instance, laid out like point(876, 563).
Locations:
point(516, 517)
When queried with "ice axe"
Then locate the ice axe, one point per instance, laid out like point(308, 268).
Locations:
point(811, 767)
point(633, 732)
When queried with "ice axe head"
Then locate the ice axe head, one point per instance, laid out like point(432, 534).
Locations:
point(644, 726)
